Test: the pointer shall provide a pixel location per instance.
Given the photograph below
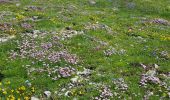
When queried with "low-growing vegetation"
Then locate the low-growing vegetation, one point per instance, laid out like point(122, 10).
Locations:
point(84, 49)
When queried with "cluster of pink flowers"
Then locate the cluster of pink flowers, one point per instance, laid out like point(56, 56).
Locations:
point(66, 71)
point(26, 26)
point(57, 56)
point(30, 48)
point(47, 45)
point(105, 94)
point(147, 78)
point(44, 53)
point(161, 21)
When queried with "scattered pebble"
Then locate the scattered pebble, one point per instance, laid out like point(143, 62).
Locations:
point(92, 2)
point(4, 39)
point(69, 33)
point(67, 93)
point(75, 79)
point(47, 94)
point(105, 94)
point(86, 72)
point(34, 98)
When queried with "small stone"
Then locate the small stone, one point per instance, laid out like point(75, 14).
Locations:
point(169, 94)
point(92, 2)
point(4, 39)
point(36, 31)
point(156, 66)
point(86, 72)
point(75, 79)
point(67, 93)
point(144, 66)
point(75, 99)
point(151, 73)
point(63, 89)
point(34, 98)
point(28, 83)
point(18, 4)
point(47, 94)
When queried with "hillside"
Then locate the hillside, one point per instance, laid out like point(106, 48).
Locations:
point(84, 49)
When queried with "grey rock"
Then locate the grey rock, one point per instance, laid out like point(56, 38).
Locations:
point(47, 94)
point(151, 72)
point(92, 2)
point(34, 98)
point(75, 79)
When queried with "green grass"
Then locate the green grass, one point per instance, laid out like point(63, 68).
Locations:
point(142, 44)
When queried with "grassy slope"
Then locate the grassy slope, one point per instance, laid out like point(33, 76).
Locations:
point(58, 14)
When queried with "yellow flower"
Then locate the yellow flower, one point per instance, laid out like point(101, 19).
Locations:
point(80, 92)
point(4, 92)
point(19, 16)
point(33, 89)
point(8, 82)
point(12, 90)
point(12, 31)
point(11, 97)
point(22, 88)
point(130, 30)
point(17, 91)
point(26, 98)
point(165, 37)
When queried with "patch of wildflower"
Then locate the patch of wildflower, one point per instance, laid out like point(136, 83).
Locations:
point(152, 77)
point(120, 84)
point(147, 79)
point(165, 54)
point(12, 31)
point(112, 51)
point(29, 47)
point(162, 37)
point(66, 71)
point(19, 16)
point(72, 89)
point(160, 21)
point(54, 73)
point(69, 33)
point(26, 26)
point(105, 94)
point(9, 93)
point(8, 28)
point(5, 26)
point(96, 25)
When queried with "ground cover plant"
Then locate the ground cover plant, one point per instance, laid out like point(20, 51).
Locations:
point(84, 49)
